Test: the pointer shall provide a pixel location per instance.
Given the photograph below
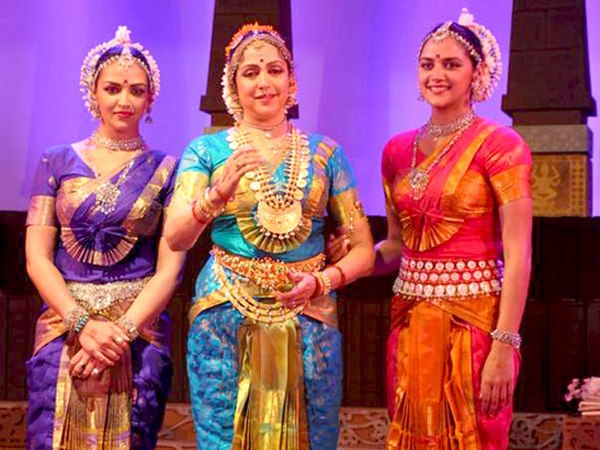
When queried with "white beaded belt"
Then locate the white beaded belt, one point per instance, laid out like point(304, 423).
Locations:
point(96, 298)
point(431, 279)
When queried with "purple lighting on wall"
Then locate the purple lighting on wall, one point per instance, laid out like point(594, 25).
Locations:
point(356, 63)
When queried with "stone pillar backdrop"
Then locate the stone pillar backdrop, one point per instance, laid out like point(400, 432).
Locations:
point(549, 99)
point(229, 16)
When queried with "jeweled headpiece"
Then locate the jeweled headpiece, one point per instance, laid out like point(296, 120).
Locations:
point(247, 35)
point(488, 62)
point(125, 53)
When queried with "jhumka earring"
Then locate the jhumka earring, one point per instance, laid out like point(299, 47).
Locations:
point(148, 118)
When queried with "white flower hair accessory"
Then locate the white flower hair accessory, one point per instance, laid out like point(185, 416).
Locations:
point(488, 71)
point(91, 67)
point(488, 64)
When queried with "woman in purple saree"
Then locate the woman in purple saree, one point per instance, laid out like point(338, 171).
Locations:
point(101, 369)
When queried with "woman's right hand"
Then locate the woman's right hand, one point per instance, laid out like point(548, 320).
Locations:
point(242, 161)
point(104, 341)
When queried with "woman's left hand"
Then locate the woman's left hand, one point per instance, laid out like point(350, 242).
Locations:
point(305, 285)
point(498, 379)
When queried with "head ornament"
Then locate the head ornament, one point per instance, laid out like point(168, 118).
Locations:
point(247, 35)
point(488, 62)
point(125, 53)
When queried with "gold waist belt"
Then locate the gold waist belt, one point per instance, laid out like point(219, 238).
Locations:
point(100, 298)
point(267, 274)
point(439, 279)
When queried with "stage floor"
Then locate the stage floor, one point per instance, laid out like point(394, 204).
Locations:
point(361, 429)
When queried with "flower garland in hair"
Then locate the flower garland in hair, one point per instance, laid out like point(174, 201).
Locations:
point(90, 69)
point(245, 36)
point(489, 70)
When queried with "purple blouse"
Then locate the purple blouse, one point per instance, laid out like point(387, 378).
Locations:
point(108, 227)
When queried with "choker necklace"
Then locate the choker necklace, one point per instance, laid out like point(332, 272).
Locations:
point(116, 145)
point(437, 131)
point(267, 130)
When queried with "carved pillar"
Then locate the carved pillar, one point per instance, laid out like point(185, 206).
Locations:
point(229, 16)
point(549, 98)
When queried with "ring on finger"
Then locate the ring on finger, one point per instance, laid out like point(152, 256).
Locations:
point(95, 371)
point(119, 340)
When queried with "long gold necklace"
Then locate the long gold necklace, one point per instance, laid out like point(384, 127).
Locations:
point(418, 178)
point(279, 211)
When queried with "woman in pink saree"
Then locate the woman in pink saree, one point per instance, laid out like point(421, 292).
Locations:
point(459, 229)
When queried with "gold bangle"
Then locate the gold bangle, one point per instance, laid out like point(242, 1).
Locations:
point(324, 281)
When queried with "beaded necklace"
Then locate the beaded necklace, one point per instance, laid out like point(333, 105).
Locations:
point(116, 145)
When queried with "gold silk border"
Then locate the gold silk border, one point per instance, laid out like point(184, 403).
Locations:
point(87, 255)
point(346, 208)
point(317, 202)
point(463, 163)
point(190, 185)
point(42, 211)
point(270, 411)
point(512, 184)
point(144, 216)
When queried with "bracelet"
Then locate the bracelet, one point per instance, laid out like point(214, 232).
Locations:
point(76, 319)
point(342, 274)
point(196, 214)
point(81, 323)
point(324, 282)
point(507, 337)
point(128, 326)
point(203, 210)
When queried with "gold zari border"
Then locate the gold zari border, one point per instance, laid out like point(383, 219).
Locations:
point(42, 211)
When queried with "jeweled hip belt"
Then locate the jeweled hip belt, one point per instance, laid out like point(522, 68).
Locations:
point(439, 279)
point(267, 274)
point(98, 298)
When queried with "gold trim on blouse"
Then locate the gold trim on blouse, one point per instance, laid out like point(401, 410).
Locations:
point(42, 211)
point(512, 184)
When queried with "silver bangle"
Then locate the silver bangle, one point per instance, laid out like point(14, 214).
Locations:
point(507, 337)
point(126, 324)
